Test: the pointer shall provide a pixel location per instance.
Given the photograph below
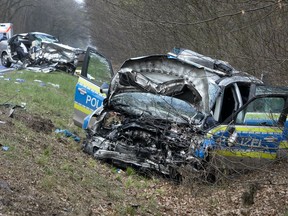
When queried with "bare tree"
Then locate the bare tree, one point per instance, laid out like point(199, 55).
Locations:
point(65, 19)
point(251, 35)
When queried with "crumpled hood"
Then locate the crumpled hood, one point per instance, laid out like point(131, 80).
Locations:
point(59, 52)
point(161, 74)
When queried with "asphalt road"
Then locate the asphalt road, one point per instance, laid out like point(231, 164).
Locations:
point(4, 70)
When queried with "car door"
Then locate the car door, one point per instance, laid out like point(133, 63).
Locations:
point(96, 71)
point(259, 127)
point(255, 132)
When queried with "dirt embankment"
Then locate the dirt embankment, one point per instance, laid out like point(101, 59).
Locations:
point(44, 173)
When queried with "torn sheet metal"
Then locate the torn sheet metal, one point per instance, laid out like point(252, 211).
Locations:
point(154, 114)
point(13, 107)
point(39, 52)
point(42, 69)
point(159, 110)
point(167, 73)
point(51, 56)
point(146, 143)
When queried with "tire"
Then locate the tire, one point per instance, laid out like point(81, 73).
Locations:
point(5, 60)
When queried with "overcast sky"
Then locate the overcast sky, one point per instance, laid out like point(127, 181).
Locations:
point(79, 1)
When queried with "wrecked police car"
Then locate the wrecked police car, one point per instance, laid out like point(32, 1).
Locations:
point(38, 51)
point(163, 112)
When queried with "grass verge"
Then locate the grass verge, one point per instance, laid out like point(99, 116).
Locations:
point(44, 173)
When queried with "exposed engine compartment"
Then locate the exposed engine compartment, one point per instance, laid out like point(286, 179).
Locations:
point(146, 143)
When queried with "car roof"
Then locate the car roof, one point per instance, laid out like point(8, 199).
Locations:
point(226, 74)
point(223, 75)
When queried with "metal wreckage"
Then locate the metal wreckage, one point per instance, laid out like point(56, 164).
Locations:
point(39, 51)
point(166, 112)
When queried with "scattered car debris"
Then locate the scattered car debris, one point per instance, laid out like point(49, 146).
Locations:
point(20, 80)
point(41, 83)
point(43, 69)
point(54, 85)
point(5, 148)
point(12, 107)
point(39, 52)
point(67, 133)
point(166, 112)
point(119, 170)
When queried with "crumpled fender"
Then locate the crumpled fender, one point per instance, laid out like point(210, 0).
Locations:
point(202, 151)
point(88, 118)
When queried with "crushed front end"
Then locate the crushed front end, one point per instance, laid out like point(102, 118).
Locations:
point(154, 115)
point(154, 140)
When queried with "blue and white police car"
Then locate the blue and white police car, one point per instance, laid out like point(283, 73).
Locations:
point(162, 112)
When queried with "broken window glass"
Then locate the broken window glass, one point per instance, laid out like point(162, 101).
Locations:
point(262, 111)
point(156, 106)
point(98, 69)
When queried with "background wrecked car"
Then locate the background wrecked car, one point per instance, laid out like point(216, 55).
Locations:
point(39, 51)
point(159, 108)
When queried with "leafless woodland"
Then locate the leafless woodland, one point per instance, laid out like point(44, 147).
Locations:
point(251, 35)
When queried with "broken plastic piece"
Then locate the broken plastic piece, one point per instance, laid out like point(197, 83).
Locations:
point(67, 133)
point(20, 80)
point(41, 83)
point(5, 148)
point(54, 85)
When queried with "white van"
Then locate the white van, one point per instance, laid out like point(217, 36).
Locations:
point(6, 31)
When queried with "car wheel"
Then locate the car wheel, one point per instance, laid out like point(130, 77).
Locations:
point(5, 60)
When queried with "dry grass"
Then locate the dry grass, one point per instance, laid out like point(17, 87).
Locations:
point(44, 173)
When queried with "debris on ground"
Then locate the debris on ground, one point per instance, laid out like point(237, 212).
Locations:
point(11, 108)
point(5, 148)
point(36, 122)
point(19, 80)
point(67, 133)
point(54, 85)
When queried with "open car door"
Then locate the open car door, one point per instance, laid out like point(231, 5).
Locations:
point(96, 71)
point(255, 134)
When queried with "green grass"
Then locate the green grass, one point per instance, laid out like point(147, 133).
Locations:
point(56, 165)
point(55, 103)
point(49, 172)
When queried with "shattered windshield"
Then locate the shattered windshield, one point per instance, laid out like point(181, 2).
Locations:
point(157, 106)
point(46, 38)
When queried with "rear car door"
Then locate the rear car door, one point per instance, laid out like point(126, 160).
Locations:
point(96, 71)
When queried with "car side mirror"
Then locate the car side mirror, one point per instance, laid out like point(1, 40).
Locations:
point(230, 128)
point(104, 88)
point(232, 137)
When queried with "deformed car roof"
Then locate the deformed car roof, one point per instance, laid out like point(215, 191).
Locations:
point(203, 74)
point(35, 34)
point(227, 74)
